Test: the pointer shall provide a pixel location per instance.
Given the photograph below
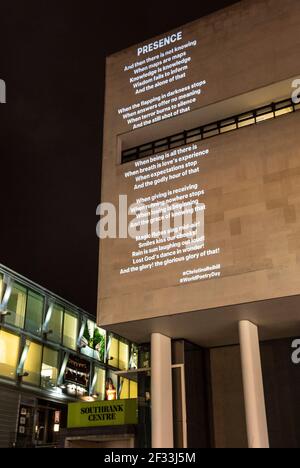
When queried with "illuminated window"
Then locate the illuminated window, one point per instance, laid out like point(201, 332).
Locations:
point(134, 357)
point(177, 140)
point(87, 341)
point(99, 388)
point(194, 135)
point(228, 125)
point(246, 122)
point(133, 388)
point(70, 330)
point(283, 111)
point(123, 356)
point(16, 306)
point(118, 354)
point(77, 376)
point(146, 150)
point(111, 386)
point(9, 354)
point(128, 389)
point(265, 114)
point(55, 324)
point(1, 287)
point(34, 312)
point(93, 341)
point(210, 131)
point(125, 390)
point(49, 372)
point(161, 145)
point(33, 364)
point(113, 356)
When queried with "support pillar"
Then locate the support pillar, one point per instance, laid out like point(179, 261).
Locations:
point(161, 392)
point(256, 418)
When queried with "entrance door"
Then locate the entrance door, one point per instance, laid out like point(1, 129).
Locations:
point(103, 442)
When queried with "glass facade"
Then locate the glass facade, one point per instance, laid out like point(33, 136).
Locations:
point(48, 344)
point(1, 287)
point(70, 330)
point(16, 306)
point(56, 324)
point(99, 383)
point(128, 389)
point(9, 354)
point(34, 313)
point(33, 362)
point(49, 372)
point(93, 341)
point(118, 354)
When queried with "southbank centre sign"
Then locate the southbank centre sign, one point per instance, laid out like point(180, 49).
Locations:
point(102, 414)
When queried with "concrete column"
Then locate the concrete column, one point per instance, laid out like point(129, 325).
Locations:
point(161, 392)
point(256, 418)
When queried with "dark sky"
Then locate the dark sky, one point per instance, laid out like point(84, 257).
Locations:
point(52, 57)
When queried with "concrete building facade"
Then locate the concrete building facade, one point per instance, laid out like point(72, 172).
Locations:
point(204, 121)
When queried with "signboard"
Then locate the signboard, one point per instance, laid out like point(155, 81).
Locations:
point(102, 414)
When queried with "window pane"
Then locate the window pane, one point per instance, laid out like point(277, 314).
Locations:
point(133, 389)
point(1, 287)
point(194, 138)
point(123, 356)
point(208, 128)
point(229, 128)
point(226, 123)
point(70, 330)
point(124, 394)
point(113, 356)
point(99, 344)
point(177, 142)
point(77, 376)
point(49, 372)
point(55, 324)
point(210, 133)
point(134, 357)
point(87, 339)
point(33, 363)
point(283, 104)
point(161, 149)
point(111, 387)
point(34, 312)
point(9, 354)
point(245, 123)
point(99, 388)
point(94, 341)
point(265, 110)
point(262, 118)
point(286, 110)
point(16, 306)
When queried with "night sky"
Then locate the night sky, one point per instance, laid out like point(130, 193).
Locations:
point(52, 57)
